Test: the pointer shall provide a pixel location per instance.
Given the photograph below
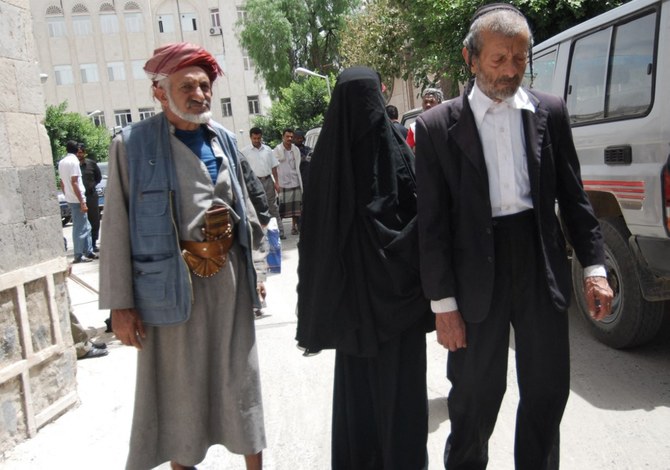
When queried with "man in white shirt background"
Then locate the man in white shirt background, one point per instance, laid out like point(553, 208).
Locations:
point(264, 165)
point(73, 189)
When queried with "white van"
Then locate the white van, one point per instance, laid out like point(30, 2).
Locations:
point(613, 72)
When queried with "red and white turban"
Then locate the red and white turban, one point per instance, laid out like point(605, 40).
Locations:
point(170, 58)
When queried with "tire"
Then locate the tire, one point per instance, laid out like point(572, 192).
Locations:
point(634, 321)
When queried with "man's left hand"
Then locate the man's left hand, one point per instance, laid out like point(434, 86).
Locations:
point(598, 296)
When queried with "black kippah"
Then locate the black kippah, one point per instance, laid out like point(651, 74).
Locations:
point(484, 9)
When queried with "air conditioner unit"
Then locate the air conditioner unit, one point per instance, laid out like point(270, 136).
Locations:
point(215, 31)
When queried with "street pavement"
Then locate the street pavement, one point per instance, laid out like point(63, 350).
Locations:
point(618, 416)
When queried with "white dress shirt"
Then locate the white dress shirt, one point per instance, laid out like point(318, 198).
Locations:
point(260, 160)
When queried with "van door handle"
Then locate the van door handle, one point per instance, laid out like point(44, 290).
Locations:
point(618, 155)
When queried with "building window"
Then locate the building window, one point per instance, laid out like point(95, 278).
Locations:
point(131, 6)
point(79, 8)
point(98, 120)
point(138, 70)
point(214, 15)
point(109, 23)
point(146, 113)
point(63, 74)
point(134, 22)
point(165, 24)
point(56, 27)
point(188, 22)
point(89, 73)
point(82, 25)
point(54, 11)
point(115, 71)
point(122, 117)
point(241, 15)
point(106, 8)
point(226, 107)
point(254, 105)
point(248, 63)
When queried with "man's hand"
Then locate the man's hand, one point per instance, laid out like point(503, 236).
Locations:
point(598, 296)
point(128, 327)
point(260, 288)
point(450, 330)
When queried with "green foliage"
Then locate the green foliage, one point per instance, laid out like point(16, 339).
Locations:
point(302, 106)
point(62, 126)
point(422, 39)
point(280, 36)
point(379, 28)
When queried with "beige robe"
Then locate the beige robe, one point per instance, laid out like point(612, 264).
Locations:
point(197, 383)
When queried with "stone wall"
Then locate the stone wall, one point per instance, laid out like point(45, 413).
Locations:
point(37, 361)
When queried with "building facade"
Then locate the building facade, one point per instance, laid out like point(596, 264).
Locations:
point(91, 54)
point(37, 361)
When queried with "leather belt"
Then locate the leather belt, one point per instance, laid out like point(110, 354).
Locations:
point(263, 178)
point(206, 258)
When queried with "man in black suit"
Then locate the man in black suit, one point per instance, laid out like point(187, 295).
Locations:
point(490, 167)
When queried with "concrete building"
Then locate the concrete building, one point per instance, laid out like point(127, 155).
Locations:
point(91, 54)
point(37, 360)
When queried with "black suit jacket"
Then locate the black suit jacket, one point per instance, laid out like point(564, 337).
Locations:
point(454, 209)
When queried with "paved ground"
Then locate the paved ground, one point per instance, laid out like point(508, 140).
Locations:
point(618, 416)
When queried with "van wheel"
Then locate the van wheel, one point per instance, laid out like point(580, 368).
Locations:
point(634, 320)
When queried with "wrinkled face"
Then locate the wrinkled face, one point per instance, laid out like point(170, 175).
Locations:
point(188, 100)
point(428, 102)
point(287, 139)
point(500, 66)
point(256, 140)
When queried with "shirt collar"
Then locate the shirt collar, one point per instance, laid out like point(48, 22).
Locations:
point(480, 103)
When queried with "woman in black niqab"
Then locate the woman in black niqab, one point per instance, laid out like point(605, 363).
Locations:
point(358, 280)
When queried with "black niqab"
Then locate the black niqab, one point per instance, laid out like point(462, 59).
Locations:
point(358, 278)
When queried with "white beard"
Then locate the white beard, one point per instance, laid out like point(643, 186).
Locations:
point(202, 118)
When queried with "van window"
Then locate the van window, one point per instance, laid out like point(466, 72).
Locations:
point(611, 72)
point(543, 71)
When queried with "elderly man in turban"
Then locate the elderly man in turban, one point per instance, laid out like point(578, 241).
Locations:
point(177, 274)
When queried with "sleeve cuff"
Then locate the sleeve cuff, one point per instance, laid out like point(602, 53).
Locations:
point(447, 304)
point(595, 270)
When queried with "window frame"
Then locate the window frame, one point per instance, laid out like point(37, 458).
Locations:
point(614, 26)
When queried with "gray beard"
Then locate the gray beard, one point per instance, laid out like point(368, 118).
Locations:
point(202, 118)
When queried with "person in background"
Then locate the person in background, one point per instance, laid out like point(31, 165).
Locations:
point(429, 98)
point(305, 156)
point(73, 189)
point(177, 272)
point(358, 281)
point(91, 176)
point(83, 345)
point(290, 180)
point(264, 166)
point(392, 113)
point(491, 166)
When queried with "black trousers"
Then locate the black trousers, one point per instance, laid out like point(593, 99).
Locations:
point(380, 407)
point(93, 215)
point(478, 374)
